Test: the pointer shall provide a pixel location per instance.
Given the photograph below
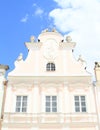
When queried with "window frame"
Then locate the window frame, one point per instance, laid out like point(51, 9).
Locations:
point(50, 66)
point(52, 104)
point(21, 103)
point(79, 107)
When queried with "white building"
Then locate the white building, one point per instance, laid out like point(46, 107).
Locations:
point(3, 82)
point(50, 89)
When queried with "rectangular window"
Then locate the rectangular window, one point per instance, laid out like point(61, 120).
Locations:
point(80, 103)
point(21, 103)
point(51, 104)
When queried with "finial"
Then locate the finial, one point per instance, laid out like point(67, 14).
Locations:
point(45, 30)
point(54, 30)
point(97, 64)
point(68, 39)
point(32, 38)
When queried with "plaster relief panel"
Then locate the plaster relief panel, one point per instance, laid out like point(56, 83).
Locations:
point(50, 49)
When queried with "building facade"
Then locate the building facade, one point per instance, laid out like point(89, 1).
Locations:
point(3, 83)
point(50, 89)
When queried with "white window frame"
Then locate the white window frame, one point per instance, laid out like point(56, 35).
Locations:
point(50, 67)
point(49, 107)
point(79, 107)
point(21, 103)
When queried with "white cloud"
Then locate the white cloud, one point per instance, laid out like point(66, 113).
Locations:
point(82, 19)
point(38, 11)
point(24, 19)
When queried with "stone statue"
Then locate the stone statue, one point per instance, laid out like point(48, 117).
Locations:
point(54, 30)
point(32, 38)
point(20, 57)
point(45, 30)
point(68, 39)
point(97, 64)
point(83, 62)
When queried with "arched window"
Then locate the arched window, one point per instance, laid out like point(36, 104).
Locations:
point(50, 67)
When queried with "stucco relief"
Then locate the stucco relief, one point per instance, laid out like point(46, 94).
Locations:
point(50, 49)
point(78, 89)
point(51, 88)
point(21, 87)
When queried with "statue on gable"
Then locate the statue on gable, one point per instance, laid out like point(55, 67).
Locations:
point(54, 30)
point(45, 30)
point(32, 39)
point(82, 61)
point(19, 59)
point(97, 64)
point(68, 39)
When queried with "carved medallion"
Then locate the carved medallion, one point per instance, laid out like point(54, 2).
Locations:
point(50, 49)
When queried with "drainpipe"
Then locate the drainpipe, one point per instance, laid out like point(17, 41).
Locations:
point(96, 104)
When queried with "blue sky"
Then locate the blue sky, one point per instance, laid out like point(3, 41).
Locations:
point(21, 19)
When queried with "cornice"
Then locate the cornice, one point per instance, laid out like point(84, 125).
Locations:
point(33, 45)
point(48, 79)
point(66, 45)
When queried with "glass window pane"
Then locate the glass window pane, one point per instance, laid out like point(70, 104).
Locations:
point(47, 103)
point(18, 104)
point(77, 109)
point(47, 109)
point(17, 109)
point(48, 98)
point(54, 109)
point(76, 103)
point(54, 104)
point(83, 104)
point(24, 104)
point(23, 109)
point(54, 98)
point(82, 98)
point(83, 109)
point(24, 98)
point(76, 98)
point(18, 98)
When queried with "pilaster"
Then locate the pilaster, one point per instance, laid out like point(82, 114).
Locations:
point(60, 101)
point(36, 98)
point(66, 98)
point(42, 101)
